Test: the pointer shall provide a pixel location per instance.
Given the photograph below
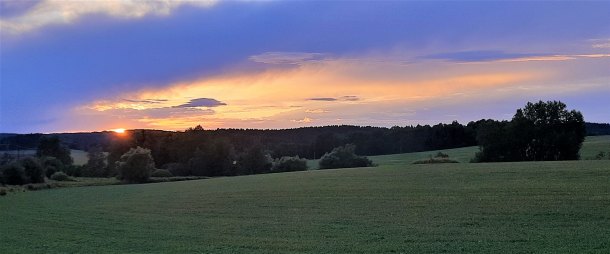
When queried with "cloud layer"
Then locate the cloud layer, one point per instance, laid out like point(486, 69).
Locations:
point(59, 12)
point(299, 96)
point(202, 102)
point(276, 64)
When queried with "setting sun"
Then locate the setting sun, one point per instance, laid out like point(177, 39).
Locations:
point(119, 130)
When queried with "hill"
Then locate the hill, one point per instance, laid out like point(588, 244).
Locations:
point(397, 207)
point(477, 208)
point(590, 148)
point(597, 129)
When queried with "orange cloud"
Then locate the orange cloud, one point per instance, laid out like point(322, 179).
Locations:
point(280, 98)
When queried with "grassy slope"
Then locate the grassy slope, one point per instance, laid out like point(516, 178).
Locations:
point(509, 207)
point(549, 207)
point(591, 147)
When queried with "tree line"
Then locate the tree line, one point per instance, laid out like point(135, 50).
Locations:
point(539, 131)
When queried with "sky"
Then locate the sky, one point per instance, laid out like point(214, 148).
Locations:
point(70, 66)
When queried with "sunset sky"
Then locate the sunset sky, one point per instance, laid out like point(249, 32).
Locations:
point(88, 66)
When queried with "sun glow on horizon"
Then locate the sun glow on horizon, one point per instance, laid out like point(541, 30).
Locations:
point(119, 130)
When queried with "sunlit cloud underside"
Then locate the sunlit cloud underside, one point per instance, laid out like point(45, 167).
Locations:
point(374, 90)
point(174, 64)
point(62, 12)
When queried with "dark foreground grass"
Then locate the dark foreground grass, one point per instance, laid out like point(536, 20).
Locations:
point(544, 207)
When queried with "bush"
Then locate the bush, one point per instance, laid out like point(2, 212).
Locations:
point(216, 158)
point(435, 161)
point(97, 164)
point(441, 155)
point(14, 174)
point(136, 165)
point(61, 176)
point(34, 172)
point(542, 131)
point(254, 161)
point(74, 170)
point(287, 164)
point(177, 169)
point(600, 155)
point(6, 159)
point(2, 191)
point(52, 165)
point(344, 157)
point(52, 147)
point(161, 173)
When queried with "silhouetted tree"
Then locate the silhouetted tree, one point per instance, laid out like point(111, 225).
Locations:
point(540, 131)
point(288, 163)
point(14, 174)
point(136, 165)
point(51, 146)
point(213, 159)
point(254, 161)
point(96, 165)
point(344, 157)
point(33, 170)
point(548, 131)
point(52, 165)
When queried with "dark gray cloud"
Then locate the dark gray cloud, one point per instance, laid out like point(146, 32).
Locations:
point(479, 56)
point(350, 98)
point(202, 102)
point(165, 112)
point(287, 57)
point(150, 101)
point(342, 98)
point(322, 99)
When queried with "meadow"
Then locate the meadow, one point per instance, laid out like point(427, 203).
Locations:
point(396, 207)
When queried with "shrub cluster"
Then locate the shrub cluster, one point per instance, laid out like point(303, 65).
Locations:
point(344, 157)
point(52, 165)
point(24, 171)
point(542, 131)
point(136, 165)
point(161, 173)
point(14, 174)
point(97, 165)
point(441, 155)
point(288, 164)
point(61, 176)
point(601, 155)
point(177, 169)
point(74, 170)
point(254, 161)
point(435, 161)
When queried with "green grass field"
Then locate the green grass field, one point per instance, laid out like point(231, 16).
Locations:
point(397, 207)
point(593, 145)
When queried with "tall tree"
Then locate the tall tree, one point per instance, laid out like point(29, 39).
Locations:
point(539, 131)
point(548, 131)
point(97, 164)
point(51, 147)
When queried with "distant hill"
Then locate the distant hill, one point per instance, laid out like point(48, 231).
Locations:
point(6, 135)
point(306, 141)
point(597, 129)
point(78, 141)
